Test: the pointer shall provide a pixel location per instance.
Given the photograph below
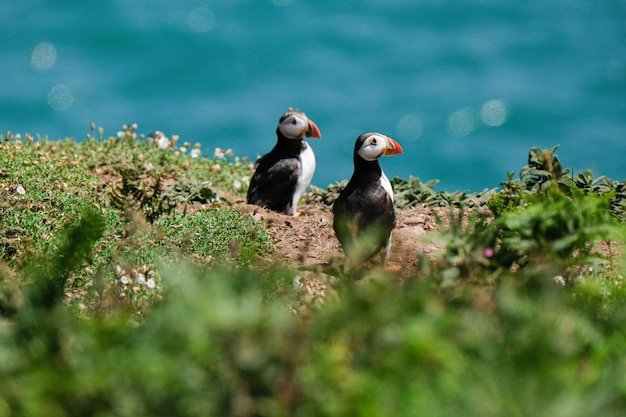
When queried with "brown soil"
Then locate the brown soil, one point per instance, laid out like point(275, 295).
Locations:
point(308, 240)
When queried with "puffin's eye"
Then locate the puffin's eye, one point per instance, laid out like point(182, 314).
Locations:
point(293, 121)
point(373, 142)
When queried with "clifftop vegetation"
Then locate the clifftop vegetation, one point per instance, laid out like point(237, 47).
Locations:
point(134, 280)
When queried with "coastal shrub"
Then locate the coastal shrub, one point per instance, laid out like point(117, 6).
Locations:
point(227, 342)
point(553, 231)
point(545, 171)
point(219, 335)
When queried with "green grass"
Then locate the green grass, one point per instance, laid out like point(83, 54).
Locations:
point(129, 288)
point(146, 197)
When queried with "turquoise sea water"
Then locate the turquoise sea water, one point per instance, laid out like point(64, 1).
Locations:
point(467, 87)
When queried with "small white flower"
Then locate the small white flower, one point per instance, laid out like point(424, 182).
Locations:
point(559, 280)
point(297, 283)
point(219, 153)
point(150, 283)
point(229, 153)
point(20, 190)
point(118, 269)
point(163, 142)
point(237, 184)
point(124, 279)
point(195, 153)
point(141, 278)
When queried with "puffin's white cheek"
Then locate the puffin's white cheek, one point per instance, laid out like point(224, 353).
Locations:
point(292, 130)
point(370, 152)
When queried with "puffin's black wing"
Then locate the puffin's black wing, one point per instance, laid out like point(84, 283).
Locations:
point(274, 182)
point(363, 220)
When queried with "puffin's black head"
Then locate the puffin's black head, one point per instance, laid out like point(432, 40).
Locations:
point(295, 125)
point(371, 146)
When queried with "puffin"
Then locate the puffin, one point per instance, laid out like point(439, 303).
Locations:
point(283, 174)
point(364, 214)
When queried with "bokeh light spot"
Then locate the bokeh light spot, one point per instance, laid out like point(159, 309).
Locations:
point(409, 128)
point(494, 113)
point(461, 122)
point(43, 56)
point(201, 19)
point(60, 97)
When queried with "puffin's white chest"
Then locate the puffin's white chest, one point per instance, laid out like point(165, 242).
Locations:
point(307, 169)
point(384, 182)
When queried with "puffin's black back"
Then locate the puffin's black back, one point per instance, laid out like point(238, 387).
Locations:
point(364, 208)
point(276, 174)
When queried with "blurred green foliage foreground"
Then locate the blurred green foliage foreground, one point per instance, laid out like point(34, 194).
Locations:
point(126, 301)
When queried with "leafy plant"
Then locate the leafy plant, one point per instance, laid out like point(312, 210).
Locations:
point(557, 227)
point(545, 219)
point(510, 198)
point(544, 168)
point(469, 241)
point(618, 202)
point(142, 191)
point(555, 230)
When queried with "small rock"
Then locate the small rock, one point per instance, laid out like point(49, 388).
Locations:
point(417, 219)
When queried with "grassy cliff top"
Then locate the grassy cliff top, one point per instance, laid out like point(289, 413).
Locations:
point(135, 280)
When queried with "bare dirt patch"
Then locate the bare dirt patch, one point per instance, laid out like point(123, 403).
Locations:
point(308, 240)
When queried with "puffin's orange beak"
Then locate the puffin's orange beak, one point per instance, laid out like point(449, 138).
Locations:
point(312, 131)
point(392, 147)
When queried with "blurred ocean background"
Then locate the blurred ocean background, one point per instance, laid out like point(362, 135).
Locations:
point(466, 86)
